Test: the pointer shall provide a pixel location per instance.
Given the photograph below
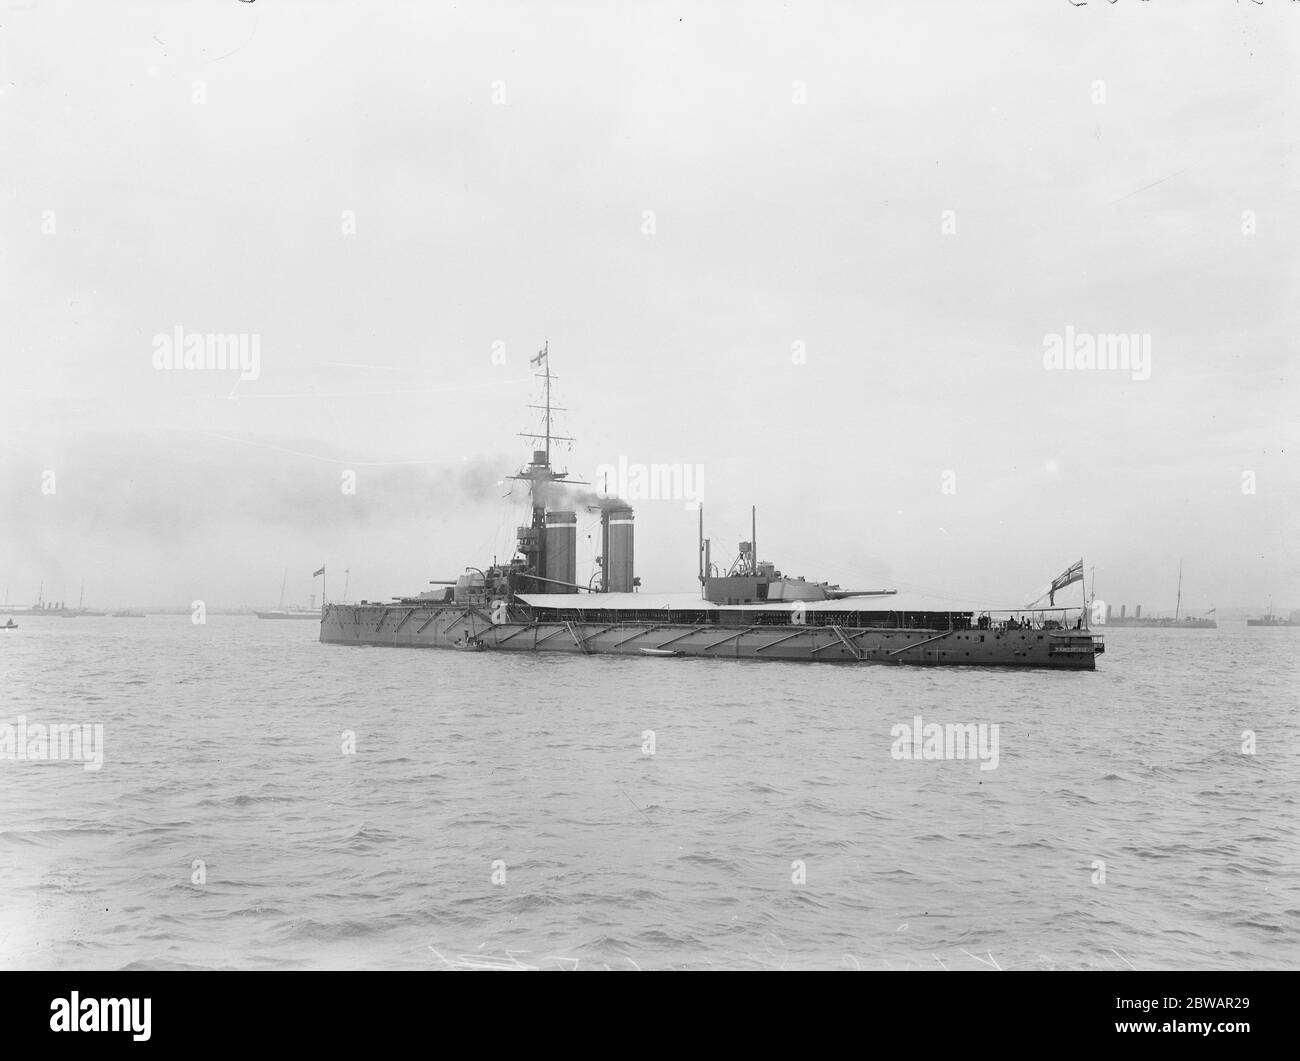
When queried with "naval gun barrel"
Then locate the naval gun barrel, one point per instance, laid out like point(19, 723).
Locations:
point(840, 594)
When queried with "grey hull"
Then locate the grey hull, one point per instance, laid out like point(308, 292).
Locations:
point(441, 626)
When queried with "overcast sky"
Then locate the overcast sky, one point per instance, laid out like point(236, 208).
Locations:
point(818, 249)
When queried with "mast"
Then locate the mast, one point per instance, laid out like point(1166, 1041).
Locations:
point(1179, 606)
point(704, 571)
point(546, 349)
point(539, 472)
point(282, 582)
point(706, 563)
point(753, 539)
point(542, 471)
point(1083, 587)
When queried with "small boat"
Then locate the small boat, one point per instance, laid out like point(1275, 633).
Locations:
point(10, 625)
point(469, 644)
point(659, 652)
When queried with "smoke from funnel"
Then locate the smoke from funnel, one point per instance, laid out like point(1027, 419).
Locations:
point(561, 495)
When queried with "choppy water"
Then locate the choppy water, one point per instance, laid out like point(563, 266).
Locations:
point(223, 743)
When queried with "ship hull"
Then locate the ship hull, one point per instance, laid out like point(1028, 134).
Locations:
point(1156, 624)
point(57, 613)
point(450, 626)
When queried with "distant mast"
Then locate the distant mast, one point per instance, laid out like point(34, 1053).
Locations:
point(1178, 607)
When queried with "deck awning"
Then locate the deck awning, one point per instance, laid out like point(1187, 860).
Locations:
point(881, 603)
point(640, 602)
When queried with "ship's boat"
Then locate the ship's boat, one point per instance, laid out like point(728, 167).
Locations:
point(747, 610)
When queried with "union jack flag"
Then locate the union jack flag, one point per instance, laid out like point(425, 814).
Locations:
point(1073, 573)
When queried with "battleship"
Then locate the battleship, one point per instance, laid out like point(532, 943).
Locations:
point(745, 610)
point(1156, 622)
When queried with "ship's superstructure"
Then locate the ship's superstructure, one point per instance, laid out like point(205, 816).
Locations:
point(749, 610)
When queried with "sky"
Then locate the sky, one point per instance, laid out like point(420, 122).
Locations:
point(818, 251)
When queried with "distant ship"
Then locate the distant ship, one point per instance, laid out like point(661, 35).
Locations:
point(533, 603)
point(1269, 619)
point(129, 613)
point(57, 609)
point(312, 612)
point(1155, 622)
point(52, 610)
point(1187, 622)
